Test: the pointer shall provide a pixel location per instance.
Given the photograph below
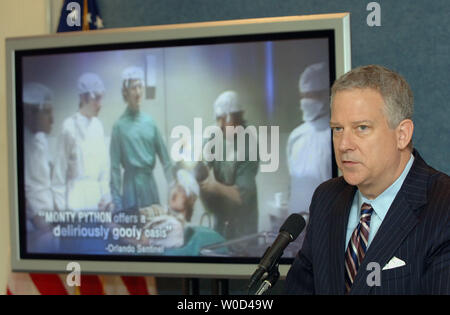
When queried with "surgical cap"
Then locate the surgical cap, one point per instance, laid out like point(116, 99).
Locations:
point(37, 94)
point(90, 83)
point(227, 103)
point(132, 73)
point(187, 180)
point(315, 78)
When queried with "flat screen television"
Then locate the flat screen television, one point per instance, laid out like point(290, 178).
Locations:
point(168, 150)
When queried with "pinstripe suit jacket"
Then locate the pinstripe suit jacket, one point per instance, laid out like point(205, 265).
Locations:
point(416, 230)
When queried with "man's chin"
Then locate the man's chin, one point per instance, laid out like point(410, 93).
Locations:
point(351, 179)
point(135, 108)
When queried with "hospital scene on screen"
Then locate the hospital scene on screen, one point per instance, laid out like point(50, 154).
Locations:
point(194, 150)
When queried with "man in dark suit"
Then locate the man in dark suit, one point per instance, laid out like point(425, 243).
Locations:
point(383, 227)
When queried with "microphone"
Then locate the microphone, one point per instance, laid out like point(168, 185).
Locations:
point(289, 231)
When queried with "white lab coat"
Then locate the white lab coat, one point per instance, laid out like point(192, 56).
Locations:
point(309, 161)
point(38, 188)
point(39, 195)
point(81, 175)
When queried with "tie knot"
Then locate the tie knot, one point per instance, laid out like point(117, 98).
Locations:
point(366, 212)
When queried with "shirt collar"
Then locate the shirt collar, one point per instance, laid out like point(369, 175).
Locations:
point(85, 121)
point(131, 113)
point(382, 203)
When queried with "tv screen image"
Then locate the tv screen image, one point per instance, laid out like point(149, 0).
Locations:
point(161, 149)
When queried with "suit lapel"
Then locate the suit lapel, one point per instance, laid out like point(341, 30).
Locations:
point(398, 223)
point(340, 210)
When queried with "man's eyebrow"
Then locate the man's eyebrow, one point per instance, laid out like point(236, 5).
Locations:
point(359, 122)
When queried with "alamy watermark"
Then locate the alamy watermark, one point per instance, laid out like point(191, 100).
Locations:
point(374, 277)
point(374, 17)
point(235, 144)
point(74, 17)
point(74, 277)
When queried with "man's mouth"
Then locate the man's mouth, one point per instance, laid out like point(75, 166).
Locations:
point(349, 163)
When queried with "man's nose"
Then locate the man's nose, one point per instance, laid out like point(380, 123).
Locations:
point(346, 141)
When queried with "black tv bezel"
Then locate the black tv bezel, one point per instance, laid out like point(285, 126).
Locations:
point(24, 254)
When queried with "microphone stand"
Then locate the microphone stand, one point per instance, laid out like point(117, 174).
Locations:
point(269, 281)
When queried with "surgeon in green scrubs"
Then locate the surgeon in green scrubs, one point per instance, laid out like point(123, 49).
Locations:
point(135, 144)
point(229, 192)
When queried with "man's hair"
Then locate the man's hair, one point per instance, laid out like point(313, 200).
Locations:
point(394, 89)
point(84, 99)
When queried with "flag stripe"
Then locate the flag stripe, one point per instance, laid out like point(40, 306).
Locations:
point(36, 284)
point(91, 285)
point(48, 284)
point(135, 285)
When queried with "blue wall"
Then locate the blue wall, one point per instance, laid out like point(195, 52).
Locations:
point(413, 39)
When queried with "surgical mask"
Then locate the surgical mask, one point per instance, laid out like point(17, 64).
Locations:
point(312, 108)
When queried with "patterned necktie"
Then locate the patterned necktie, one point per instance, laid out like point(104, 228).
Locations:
point(357, 246)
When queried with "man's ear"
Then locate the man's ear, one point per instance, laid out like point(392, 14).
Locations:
point(404, 132)
point(125, 94)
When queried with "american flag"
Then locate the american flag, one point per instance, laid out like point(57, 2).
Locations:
point(79, 15)
point(55, 284)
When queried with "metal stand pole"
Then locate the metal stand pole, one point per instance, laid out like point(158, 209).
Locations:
point(220, 287)
point(191, 286)
point(269, 281)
